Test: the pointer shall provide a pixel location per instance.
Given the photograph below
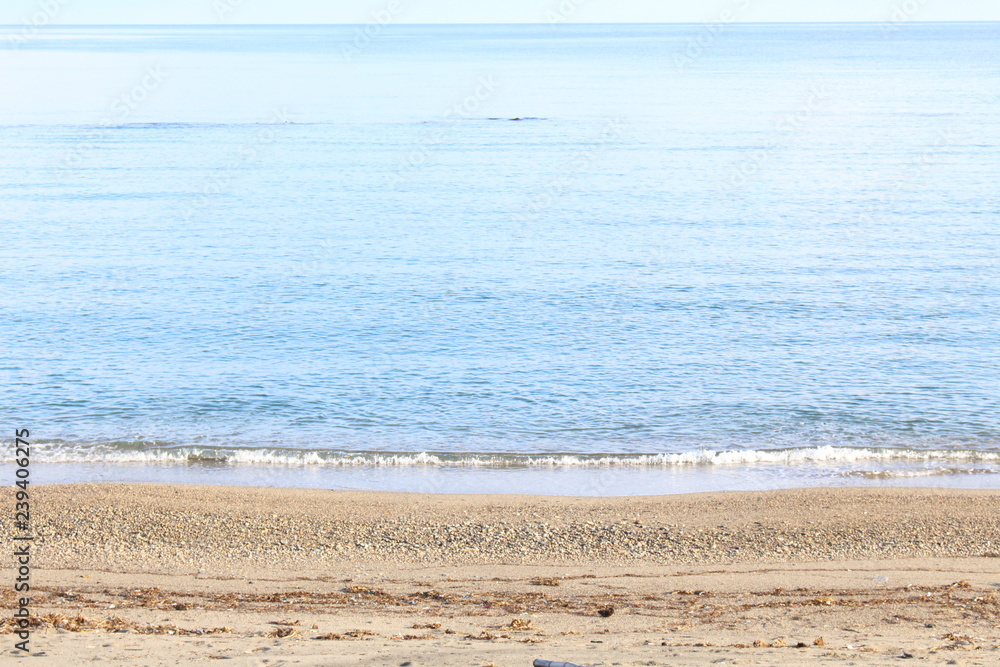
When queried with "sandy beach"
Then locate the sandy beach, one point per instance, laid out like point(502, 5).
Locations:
point(152, 574)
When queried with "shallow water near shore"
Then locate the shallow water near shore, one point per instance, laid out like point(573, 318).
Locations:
point(772, 265)
point(549, 480)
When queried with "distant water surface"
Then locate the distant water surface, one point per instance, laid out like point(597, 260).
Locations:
point(257, 255)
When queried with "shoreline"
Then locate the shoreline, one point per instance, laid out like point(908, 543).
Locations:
point(388, 578)
point(566, 475)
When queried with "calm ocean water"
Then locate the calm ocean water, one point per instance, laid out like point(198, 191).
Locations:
point(756, 257)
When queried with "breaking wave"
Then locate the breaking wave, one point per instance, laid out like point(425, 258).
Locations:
point(161, 454)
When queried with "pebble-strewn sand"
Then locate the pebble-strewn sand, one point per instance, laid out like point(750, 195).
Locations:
point(145, 573)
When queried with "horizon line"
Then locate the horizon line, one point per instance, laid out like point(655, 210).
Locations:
point(539, 23)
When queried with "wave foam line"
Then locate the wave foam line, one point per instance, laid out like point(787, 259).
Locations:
point(906, 474)
point(61, 453)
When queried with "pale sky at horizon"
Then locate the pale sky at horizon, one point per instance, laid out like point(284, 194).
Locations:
point(68, 12)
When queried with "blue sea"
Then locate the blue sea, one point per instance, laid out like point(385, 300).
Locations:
point(557, 259)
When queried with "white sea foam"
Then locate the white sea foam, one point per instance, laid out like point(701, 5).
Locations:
point(801, 456)
point(911, 473)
